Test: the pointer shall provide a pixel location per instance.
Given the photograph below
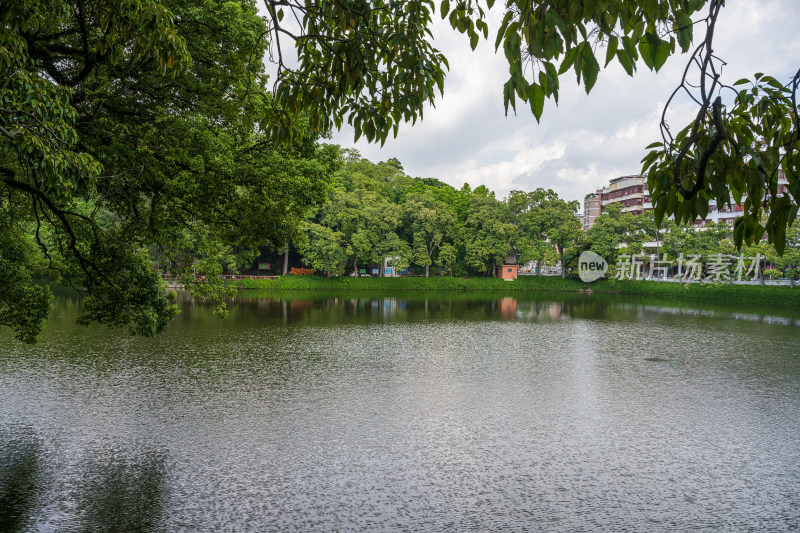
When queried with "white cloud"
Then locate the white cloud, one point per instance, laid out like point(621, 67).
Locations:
point(502, 175)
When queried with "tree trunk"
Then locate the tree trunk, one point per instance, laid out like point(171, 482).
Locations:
point(355, 267)
point(427, 270)
point(563, 266)
point(286, 260)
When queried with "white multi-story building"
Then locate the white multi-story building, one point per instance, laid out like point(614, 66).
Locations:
point(632, 194)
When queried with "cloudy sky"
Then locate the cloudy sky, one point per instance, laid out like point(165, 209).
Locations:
point(587, 139)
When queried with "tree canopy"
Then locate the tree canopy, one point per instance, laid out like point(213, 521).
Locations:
point(376, 211)
point(138, 130)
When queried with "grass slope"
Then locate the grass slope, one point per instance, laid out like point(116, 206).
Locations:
point(695, 291)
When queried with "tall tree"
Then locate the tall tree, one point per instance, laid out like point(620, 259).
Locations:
point(565, 228)
point(447, 257)
point(607, 233)
point(538, 213)
point(490, 233)
point(132, 125)
point(324, 249)
point(431, 223)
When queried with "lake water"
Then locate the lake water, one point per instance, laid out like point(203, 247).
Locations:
point(409, 412)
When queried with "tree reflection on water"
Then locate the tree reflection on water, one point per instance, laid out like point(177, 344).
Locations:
point(113, 490)
point(19, 481)
point(122, 493)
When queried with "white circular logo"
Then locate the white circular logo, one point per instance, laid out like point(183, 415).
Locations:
point(591, 267)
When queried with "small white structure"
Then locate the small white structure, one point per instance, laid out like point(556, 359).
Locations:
point(388, 270)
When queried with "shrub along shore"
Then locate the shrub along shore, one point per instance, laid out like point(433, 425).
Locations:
point(778, 295)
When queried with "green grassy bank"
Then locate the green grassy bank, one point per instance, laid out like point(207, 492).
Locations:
point(695, 291)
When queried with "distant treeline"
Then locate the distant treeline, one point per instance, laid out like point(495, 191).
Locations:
point(375, 211)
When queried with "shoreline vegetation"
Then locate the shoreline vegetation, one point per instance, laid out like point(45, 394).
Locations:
point(778, 295)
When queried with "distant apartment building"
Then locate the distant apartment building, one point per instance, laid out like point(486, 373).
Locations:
point(591, 209)
point(631, 193)
point(628, 191)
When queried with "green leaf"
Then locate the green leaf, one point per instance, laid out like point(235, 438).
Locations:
point(647, 49)
point(701, 205)
point(589, 67)
point(630, 48)
point(625, 61)
point(663, 52)
point(501, 33)
point(684, 29)
point(536, 100)
point(569, 59)
point(611, 51)
point(660, 208)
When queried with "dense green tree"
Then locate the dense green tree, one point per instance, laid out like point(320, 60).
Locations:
point(24, 300)
point(133, 126)
point(489, 233)
point(362, 207)
point(324, 249)
point(376, 236)
point(789, 262)
point(447, 257)
point(546, 223)
point(396, 251)
point(528, 210)
point(430, 222)
point(704, 242)
point(607, 233)
point(565, 229)
point(457, 200)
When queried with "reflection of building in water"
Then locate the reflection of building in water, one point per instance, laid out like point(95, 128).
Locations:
point(390, 307)
point(300, 305)
point(508, 307)
point(540, 310)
